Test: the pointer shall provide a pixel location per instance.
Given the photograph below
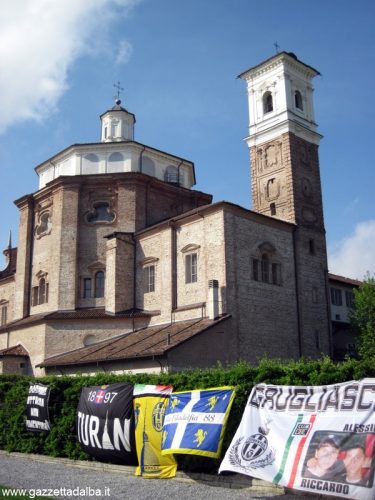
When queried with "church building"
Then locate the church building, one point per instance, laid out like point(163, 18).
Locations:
point(122, 266)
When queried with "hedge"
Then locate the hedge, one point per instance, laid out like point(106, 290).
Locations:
point(65, 391)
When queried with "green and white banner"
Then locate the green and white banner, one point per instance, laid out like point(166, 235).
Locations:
point(319, 439)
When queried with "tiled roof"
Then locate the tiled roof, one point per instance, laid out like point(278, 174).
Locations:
point(342, 279)
point(150, 341)
point(15, 350)
point(95, 313)
point(98, 313)
point(23, 322)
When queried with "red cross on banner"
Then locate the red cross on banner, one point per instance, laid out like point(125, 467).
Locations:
point(99, 397)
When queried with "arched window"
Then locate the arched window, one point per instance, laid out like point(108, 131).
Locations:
point(99, 284)
point(40, 292)
point(148, 166)
point(171, 174)
point(298, 100)
point(265, 265)
point(267, 102)
point(191, 253)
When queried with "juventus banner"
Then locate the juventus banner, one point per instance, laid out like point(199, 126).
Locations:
point(195, 421)
point(317, 439)
point(37, 419)
point(105, 423)
point(150, 404)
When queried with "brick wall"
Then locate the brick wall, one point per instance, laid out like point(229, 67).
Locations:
point(264, 314)
point(67, 335)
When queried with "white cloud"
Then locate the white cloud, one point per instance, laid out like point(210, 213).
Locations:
point(39, 41)
point(354, 255)
point(124, 52)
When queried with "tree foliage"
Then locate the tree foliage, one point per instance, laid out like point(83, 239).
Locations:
point(363, 317)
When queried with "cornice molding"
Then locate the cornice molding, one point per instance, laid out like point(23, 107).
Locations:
point(147, 261)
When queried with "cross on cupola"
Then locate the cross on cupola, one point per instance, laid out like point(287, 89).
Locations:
point(117, 123)
point(119, 89)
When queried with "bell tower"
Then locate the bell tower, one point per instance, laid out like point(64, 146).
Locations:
point(283, 140)
point(285, 180)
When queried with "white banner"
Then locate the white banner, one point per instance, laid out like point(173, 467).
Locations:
point(316, 439)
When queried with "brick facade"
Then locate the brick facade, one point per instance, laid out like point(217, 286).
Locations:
point(166, 254)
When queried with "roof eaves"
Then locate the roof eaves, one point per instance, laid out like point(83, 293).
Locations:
point(280, 55)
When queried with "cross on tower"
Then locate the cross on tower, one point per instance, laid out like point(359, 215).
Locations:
point(277, 47)
point(119, 89)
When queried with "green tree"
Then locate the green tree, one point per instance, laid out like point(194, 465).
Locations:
point(362, 317)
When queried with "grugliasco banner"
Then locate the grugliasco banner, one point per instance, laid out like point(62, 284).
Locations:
point(150, 404)
point(37, 418)
point(195, 421)
point(319, 439)
point(105, 423)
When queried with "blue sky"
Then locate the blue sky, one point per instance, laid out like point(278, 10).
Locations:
point(178, 62)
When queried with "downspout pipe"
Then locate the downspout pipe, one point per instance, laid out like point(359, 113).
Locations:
point(134, 275)
point(173, 267)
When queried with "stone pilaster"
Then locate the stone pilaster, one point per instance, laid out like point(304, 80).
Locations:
point(119, 286)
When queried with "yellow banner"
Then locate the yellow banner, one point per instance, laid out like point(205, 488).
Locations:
point(150, 403)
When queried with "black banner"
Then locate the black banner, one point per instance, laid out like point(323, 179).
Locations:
point(37, 419)
point(105, 423)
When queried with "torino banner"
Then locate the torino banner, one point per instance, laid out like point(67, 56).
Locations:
point(195, 421)
point(150, 404)
point(105, 423)
point(316, 439)
point(37, 419)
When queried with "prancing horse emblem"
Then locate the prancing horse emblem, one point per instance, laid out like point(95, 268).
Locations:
point(200, 436)
point(212, 402)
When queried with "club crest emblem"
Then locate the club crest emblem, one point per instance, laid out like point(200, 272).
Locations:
point(254, 447)
point(158, 416)
point(253, 452)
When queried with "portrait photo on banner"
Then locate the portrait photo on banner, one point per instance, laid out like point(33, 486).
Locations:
point(341, 457)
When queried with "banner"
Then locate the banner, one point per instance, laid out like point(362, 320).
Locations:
point(150, 404)
point(37, 418)
point(195, 421)
point(105, 423)
point(316, 439)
